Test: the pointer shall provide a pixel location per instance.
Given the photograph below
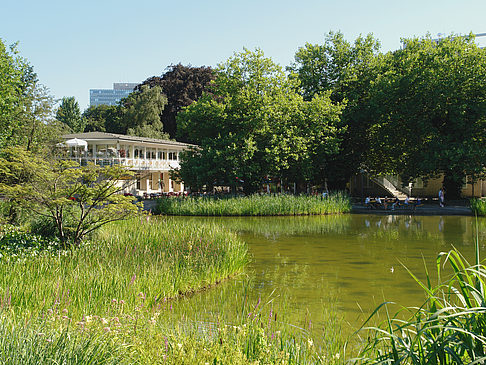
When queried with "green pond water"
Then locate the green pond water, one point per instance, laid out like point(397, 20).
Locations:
point(317, 269)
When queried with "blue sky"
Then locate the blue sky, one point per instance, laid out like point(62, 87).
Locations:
point(77, 46)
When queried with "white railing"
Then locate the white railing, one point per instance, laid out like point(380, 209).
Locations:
point(131, 163)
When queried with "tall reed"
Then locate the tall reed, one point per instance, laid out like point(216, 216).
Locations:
point(255, 205)
point(449, 328)
point(158, 259)
point(478, 207)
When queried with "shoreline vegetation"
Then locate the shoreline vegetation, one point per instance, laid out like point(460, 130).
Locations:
point(111, 301)
point(255, 205)
point(478, 207)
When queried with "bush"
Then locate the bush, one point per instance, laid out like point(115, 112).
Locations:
point(16, 243)
point(478, 207)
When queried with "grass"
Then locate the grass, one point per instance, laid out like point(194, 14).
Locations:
point(449, 328)
point(255, 205)
point(478, 207)
point(160, 259)
point(112, 301)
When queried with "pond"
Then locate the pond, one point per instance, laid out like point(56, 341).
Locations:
point(320, 267)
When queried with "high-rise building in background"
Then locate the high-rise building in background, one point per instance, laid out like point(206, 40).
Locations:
point(111, 96)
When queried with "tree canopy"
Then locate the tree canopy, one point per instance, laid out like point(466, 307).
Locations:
point(182, 85)
point(254, 125)
point(430, 112)
point(70, 114)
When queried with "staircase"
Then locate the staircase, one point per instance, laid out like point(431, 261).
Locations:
point(392, 185)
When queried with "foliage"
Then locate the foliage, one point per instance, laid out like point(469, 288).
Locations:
point(449, 328)
point(141, 113)
point(13, 82)
point(163, 259)
point(88, 196)
point(434, 94)
point(104, 118)
point(255, 205)
point(182, 85)
point(254, 125)
point(117, 294)
point(32, 344)
point(15, 243)
point(478, 207)
point(69, 114)
point(348, 70)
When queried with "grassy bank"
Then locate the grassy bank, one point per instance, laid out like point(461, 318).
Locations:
point(155, 260)
point(111, 301)
point(255, 205)
point(478, 207)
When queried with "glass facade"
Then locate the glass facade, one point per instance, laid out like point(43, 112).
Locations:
point(110, 96)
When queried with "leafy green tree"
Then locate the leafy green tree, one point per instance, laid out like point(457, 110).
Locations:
point(348, 70)
point(16, 75)
point(141, 113)
point(76, 199)
point(182, 85)
point(104, 118)
point(431, 112)
point(253, 125)
point(69, 113)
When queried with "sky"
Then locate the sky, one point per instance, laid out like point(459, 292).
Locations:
point(75, 46)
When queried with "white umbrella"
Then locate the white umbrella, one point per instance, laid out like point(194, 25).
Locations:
point(75, 142)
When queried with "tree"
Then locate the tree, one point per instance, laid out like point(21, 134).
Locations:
point(182, 85)
point(16, 75)
point(104, 118)
point(77, 199)
point(69, 113)
point(141, 113)
point(431, 112)
point(348, 70)
point(254, 125)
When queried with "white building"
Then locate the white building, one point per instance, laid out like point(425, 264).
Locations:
point(151, 159)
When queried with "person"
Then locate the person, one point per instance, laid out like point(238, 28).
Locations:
point(418, 203)
point(378, 202)
point(368, 202)
point(441, 197)
point(396, 202)
point(407, 201)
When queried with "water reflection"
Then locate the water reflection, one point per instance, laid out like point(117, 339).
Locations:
point(353, 262)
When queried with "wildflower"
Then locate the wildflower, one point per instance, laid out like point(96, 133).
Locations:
point(103, 321)
point(50, 312)
point(66, 318)
point(116, 319)
point(310, 342)
point(179, 345)
point(107, 329)
point(122, 301)
point(338, 355)
point(141, 295)
point(48, 340)
point(114, 301)
point(65, 310)
point(40, 334)
point(88, 319)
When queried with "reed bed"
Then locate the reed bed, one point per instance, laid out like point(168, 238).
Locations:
point(255, 205)
point(449, 328)
point(154, 259)
point(478, 207)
